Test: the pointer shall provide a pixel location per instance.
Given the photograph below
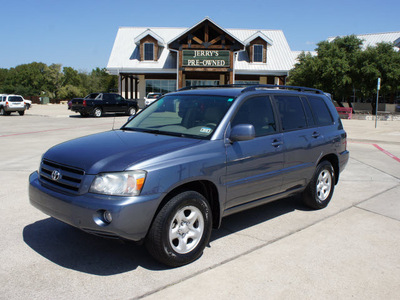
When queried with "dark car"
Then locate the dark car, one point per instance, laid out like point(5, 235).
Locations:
point(104, 103)
point(170, 174)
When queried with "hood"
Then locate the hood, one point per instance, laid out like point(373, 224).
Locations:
point(114, 151)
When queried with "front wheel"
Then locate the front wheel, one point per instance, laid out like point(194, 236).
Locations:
point(181, 230)
point(320, 189)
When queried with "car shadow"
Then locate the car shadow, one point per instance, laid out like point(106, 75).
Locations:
point(257, 215)
point(74, 249)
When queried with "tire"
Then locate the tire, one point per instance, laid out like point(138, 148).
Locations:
point(319, 191)
point(97, 112)
point(21, 113)
point(131, 111)
point(181, 230)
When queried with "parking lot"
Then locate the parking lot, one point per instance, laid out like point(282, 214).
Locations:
point(279, 250)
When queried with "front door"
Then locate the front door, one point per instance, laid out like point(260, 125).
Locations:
point(254, 167)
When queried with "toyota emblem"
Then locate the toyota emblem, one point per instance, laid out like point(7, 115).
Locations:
point(56, 175)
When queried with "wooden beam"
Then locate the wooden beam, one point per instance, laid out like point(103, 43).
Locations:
point(217, 39)
point(206, 33)
point(196, 39)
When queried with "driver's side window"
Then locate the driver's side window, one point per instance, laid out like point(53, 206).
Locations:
point(258, 112)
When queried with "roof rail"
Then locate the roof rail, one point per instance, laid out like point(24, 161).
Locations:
point(283, 87)
point(235, 85)
point(253, 87)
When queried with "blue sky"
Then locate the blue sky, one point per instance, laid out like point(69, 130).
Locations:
point(80, 34)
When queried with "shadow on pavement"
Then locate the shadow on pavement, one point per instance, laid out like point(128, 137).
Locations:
point(74, 249)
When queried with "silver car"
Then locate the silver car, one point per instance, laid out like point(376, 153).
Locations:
point(12, 103)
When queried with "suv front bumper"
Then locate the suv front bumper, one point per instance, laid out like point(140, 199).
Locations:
point(131, 216)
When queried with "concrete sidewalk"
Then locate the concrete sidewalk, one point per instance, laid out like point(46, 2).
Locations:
point(354, 253)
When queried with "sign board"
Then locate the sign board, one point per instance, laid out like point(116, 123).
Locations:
point(379, 83)
point(206, 58)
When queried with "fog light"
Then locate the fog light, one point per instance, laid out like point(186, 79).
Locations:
point(107, 216)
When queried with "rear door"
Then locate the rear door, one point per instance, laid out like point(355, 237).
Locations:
point(254, 167)
point(303, 141)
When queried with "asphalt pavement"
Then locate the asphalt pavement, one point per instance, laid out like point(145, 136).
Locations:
point(281, 250)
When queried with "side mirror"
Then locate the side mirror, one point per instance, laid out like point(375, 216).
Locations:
point(242, 132)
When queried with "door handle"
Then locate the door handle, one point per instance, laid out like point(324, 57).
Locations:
point(315, 134)
point(277, 143)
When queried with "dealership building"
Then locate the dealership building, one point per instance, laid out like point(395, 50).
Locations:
point(163, 59)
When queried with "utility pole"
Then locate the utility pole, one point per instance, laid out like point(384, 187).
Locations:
point(377, 98)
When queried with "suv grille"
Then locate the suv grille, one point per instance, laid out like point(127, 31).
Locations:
point(62, 177)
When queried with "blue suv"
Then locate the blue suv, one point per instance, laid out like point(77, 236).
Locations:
point(194, 156)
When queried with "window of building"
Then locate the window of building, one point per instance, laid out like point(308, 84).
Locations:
point(148, 51)
point(258, 53)
point(321, 111)
point(201, 82)
point(291, 112)
point(160, 86)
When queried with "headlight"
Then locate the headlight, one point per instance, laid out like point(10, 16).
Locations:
point(128, 183)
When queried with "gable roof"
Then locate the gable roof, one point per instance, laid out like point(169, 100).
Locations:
point(258, 34)
point(125, 56)
point(150, 32)
point(187, 31)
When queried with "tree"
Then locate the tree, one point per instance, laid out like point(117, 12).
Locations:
point(341, 67)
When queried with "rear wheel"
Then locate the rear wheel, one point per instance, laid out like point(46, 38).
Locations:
point(181, 230)
point(320, 189)
point(21, 113)
point(97, 112)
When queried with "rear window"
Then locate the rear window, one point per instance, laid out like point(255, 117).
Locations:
point(321, 112)
point(15, 99)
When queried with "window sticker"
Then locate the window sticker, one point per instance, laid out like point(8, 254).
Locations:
point(205, 130)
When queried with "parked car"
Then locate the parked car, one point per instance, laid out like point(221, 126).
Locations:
point(28, 103)
point(104, 103)
point(397, 108)
point(171, 173)
point(91, 96)
point(151, 97)
point(12, 103)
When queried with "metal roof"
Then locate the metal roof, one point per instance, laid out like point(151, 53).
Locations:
point(125, 56)
point(372, 39)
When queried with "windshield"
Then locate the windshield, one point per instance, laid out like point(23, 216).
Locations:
point(15, 99)
point(182, 115)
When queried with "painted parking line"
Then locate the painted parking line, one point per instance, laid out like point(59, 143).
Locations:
point(386, 152)
point(379, 148)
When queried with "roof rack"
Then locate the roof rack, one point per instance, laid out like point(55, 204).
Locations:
point(283, 87)
point(253, 87)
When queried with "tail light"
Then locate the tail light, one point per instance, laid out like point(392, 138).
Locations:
point(6, 103)
point(84, 103)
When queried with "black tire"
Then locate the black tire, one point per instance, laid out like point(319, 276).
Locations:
point(175, 244)
point(97, 112)
point(320, 189)
point(131, 111)
point(21, 113)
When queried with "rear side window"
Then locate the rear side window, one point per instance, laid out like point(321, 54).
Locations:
point(321, 112)
point(291, 112)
